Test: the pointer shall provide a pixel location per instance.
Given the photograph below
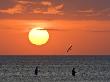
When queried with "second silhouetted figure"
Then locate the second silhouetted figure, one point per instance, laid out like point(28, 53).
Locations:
point(36, 71)
point(73, 72)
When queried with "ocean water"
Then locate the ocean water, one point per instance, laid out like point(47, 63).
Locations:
point(55, 68)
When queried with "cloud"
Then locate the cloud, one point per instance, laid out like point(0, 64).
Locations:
point(33, 7)
point(60, 6)
point(46, 3)
point(5, 4)
point(98, 13)
point(88, 14)
point(24, 2)
point(15, 10)
point(68, 9)
point(105, 12)
point(54, 10)
point(98, 30)
point(50, 9)
point(86, 11)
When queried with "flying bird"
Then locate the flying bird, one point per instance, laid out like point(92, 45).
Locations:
point(70, 48)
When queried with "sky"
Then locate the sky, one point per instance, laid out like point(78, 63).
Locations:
point(83, 23)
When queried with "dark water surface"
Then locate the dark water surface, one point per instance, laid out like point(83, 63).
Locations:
point(55, 68)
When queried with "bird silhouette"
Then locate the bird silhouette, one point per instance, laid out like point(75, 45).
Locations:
point(70, 48)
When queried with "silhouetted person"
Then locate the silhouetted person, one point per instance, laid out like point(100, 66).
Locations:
point(36, 71)
point(73, 72)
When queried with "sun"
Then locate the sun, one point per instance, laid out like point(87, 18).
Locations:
point(38, 36)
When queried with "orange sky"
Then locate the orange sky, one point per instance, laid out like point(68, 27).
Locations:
point(87, 37)
point(83, 23)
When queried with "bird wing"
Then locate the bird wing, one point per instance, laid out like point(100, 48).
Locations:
point(69, 48)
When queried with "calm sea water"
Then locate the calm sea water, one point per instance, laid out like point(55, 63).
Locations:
point(55, 68)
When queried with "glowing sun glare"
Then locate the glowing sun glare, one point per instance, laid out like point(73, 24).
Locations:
point(38, 36)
